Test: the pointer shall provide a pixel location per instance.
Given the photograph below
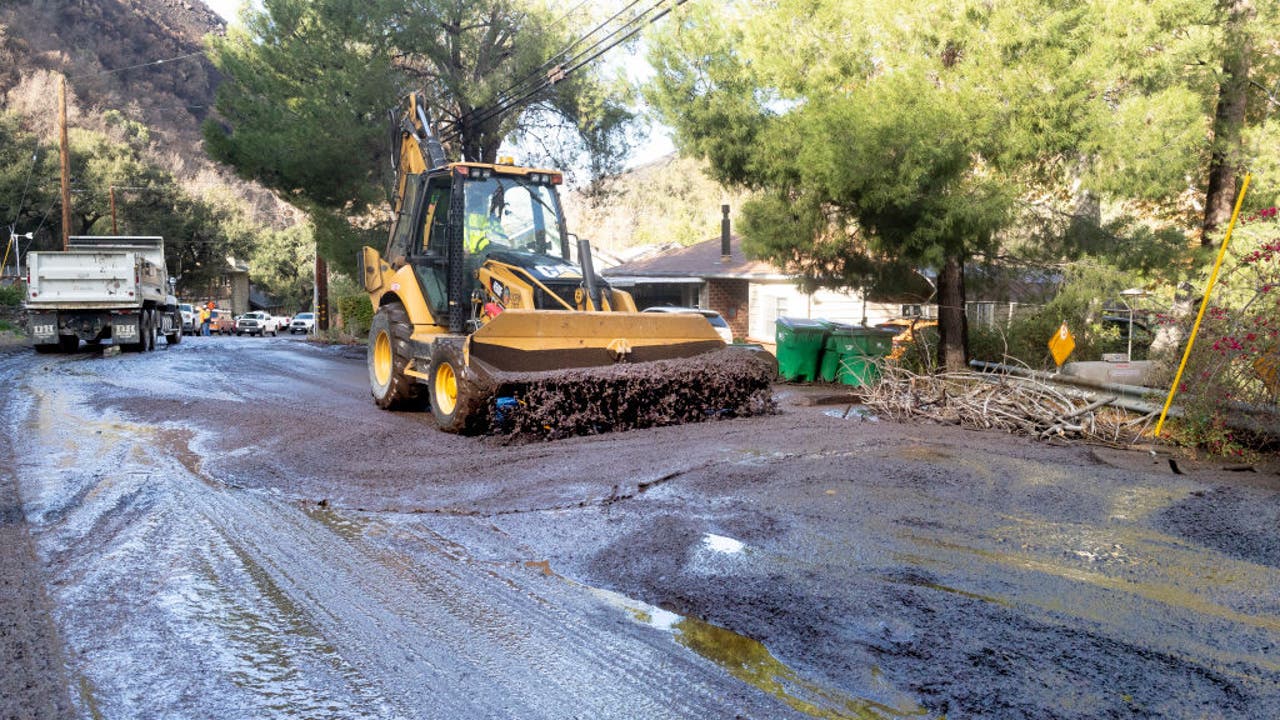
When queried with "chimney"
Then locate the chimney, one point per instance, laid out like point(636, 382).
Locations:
point(724, 234)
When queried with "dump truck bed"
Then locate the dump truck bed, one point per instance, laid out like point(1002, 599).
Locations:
point(100, 279)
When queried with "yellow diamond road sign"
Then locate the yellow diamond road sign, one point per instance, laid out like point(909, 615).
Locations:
point(1061, 344)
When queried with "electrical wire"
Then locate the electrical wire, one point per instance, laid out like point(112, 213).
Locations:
point(140, 65)
point(35, 158)
point(576, 62)
point(543, 82)
point(537, 74)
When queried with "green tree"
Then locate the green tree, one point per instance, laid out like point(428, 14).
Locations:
point(932, 133)
point(308, 84)
point(199, 235)
point(277, 261)
point(28, 183)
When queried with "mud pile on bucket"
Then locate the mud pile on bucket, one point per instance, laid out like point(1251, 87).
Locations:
point(588, 401)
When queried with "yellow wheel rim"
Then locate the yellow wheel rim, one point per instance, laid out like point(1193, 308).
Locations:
point(382, 358)
point(446, 388)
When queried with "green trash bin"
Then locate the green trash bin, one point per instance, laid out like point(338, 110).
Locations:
point(829, 367)
point(860, 351)
point(799, 347)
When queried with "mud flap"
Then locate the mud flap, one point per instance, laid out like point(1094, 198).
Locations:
point(44, 328)
point(124, 329)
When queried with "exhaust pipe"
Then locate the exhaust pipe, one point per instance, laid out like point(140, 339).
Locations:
point(589, 273)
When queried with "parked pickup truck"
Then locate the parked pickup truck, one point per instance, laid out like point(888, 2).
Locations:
point(100, 288)
point(257, 322)
point(189, 324)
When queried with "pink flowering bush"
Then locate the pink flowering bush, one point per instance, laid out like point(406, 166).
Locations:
point(1235, 364)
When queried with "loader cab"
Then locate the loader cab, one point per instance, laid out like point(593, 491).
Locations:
point(512, 212)
point(454, 218)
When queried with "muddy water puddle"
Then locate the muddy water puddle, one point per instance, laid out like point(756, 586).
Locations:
point(751, 662)
point(741, 657)
point(853, 412)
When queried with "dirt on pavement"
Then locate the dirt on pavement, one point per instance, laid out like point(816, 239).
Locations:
point(815, 563)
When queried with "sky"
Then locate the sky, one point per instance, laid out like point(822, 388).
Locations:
point(226, 8)
point(658, 144)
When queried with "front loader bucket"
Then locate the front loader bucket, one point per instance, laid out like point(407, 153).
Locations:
point(569, 373)
point(524, 341)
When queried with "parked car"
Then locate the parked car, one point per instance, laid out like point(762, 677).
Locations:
point(722, 328)
point(221, 322)
point(303, 323)
point(283, 321)
point(257, 322)
point(189, 318)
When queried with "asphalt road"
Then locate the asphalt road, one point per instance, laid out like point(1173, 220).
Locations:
point(229, 528)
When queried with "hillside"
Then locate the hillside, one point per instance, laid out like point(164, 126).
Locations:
point(670, 200)
point(143, 58)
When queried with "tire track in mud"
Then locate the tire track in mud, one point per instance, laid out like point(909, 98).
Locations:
point(33, 685)
point(462, 640)
point(182, 595)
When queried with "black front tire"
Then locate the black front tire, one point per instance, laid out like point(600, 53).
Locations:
point(455, 401)
point(388, 357)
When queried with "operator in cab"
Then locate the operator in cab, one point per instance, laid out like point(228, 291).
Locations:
point(484, 217)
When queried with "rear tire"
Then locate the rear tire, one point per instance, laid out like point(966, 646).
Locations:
point(454, 401)
point(388, 356)
point(149, 332)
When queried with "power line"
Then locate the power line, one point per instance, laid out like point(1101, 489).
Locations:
point(573, 64)
point(537, 74)
point(35, 156)
point(505, 99)
point(140, 65)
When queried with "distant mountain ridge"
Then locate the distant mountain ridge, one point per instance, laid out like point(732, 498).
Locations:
point(142, 58)
point(109, 49)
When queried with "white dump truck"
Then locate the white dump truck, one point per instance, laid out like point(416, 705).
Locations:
point(100, 288)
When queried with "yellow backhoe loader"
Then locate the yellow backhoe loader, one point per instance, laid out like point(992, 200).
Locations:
point(480, 312)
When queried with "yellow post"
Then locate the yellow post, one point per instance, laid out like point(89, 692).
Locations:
point(1204, 303)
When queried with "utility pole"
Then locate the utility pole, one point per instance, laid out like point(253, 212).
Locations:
point(111, 190)
point(322, 293)
point(66, 162)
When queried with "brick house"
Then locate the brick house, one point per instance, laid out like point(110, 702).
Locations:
point(750, 294)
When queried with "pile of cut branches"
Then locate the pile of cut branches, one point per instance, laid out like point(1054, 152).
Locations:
point(1005, 402)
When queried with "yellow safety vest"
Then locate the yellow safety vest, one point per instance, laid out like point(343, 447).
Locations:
point(480, 228)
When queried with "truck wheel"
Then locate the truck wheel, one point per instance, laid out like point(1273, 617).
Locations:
point(454, 401)
point(148, 331)
point(68, 343)
point(174, 335)
point(388, 357)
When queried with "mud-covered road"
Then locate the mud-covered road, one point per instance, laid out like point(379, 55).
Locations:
point(229, 528)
